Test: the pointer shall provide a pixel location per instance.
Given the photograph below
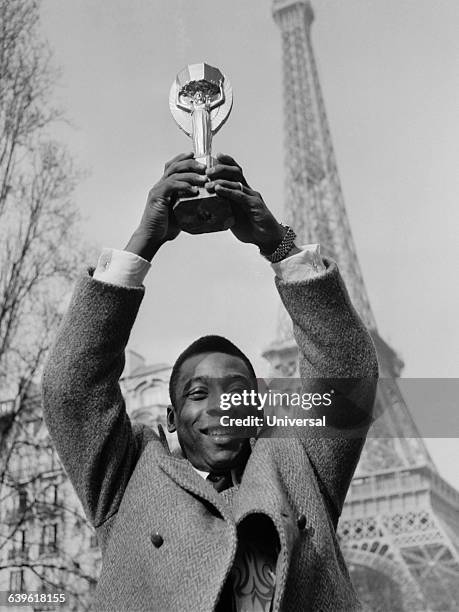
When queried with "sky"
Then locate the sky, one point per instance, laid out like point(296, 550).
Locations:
point(390, 77)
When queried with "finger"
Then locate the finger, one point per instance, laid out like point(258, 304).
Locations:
point(227, 160)
point(173, 189)
point(185, 165)
point(228, 173)
point(234, 195)
point(177, 158)
point(188, 177)
point(185, 190)
point(235, 185)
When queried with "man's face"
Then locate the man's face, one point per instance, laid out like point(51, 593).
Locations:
point(196, 415)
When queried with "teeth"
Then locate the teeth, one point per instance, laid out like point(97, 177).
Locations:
point(218, 432)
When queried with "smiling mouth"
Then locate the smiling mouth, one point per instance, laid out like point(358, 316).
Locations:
point(218, 432)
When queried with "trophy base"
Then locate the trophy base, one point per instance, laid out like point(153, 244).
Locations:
point(203, 213)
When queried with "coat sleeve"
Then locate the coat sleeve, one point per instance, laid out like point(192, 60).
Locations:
point(83, 406)
point(336, 352)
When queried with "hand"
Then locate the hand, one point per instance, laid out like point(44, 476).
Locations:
point(254, 221)
point(182, 177)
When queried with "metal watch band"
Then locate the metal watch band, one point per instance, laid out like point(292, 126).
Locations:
point(284, 248)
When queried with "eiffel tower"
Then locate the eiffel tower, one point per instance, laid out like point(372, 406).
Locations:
point(399, 530)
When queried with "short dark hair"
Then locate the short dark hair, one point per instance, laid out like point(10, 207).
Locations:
point(206, 344)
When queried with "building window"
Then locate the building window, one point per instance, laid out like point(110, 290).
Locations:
point(53, 461)
point(51, 494)
point(22, 505)
point(17, 581)
point(48, 543)
point(155, 394)
point(93, 543)
point(22, 540)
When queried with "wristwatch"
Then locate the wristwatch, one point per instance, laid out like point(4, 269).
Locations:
point(284, 247)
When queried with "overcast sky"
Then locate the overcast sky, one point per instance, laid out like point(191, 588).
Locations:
point(390, 76)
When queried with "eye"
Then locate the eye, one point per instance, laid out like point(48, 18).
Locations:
point(197, 394)
point(237, 388)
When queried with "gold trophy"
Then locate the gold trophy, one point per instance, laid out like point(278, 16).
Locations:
point(200, 101)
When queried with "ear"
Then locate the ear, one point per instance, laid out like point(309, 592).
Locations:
point(171, 419)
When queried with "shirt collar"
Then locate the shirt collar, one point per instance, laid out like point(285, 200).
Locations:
point(204, 474)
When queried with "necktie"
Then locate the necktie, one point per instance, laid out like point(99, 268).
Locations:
point(220, 482)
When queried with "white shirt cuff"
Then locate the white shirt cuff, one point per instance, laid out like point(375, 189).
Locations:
point(126, 269)
point(121, 268)
point(300, 266)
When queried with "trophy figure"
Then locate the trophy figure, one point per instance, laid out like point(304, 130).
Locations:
point(200, 101)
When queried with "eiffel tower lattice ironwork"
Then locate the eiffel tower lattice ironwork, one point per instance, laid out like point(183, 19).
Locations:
point(399, 529)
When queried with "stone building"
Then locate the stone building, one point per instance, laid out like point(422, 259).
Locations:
point(146, 390)
point(46, 542)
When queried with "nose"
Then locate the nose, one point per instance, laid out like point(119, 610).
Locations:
point(215, 412)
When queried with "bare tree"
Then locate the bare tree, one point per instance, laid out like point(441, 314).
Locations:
point(40, 250)
point(37, 218)
point(44, 536)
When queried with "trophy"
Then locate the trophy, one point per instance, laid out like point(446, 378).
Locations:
point(200, 101)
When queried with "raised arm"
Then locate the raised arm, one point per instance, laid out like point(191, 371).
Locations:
point(336, 352)
point(82, 402)
point(335, 348)
point(83, 406)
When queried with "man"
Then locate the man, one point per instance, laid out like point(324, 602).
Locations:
point(229, 523)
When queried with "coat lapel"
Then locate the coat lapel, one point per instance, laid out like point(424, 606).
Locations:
point(262, 490)
point(181, 472)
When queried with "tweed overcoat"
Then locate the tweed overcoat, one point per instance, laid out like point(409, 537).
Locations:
point(168, 538)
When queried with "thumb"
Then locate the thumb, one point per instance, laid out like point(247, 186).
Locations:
point(236, 196)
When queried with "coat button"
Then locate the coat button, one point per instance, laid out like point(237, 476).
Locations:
point(301, 522)
point(311, 531)
point(157, 539)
